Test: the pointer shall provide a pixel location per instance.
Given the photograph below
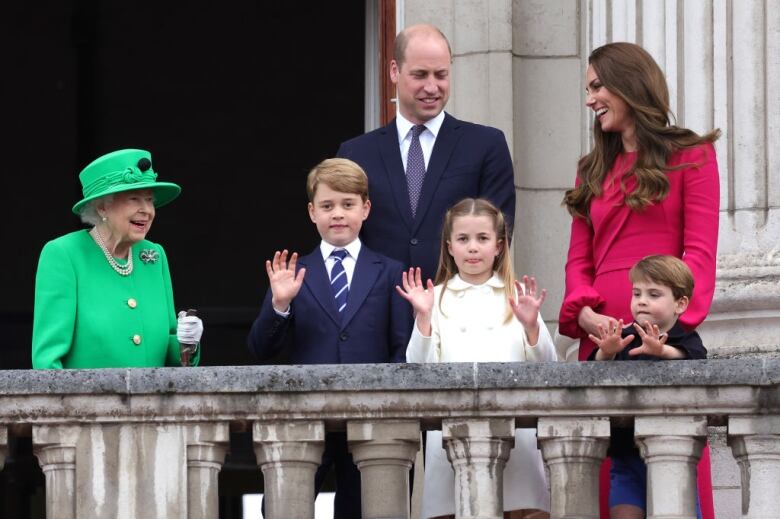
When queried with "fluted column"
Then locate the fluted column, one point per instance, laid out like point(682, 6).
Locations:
point(478, 450)
point(55, 448)
point(288, 454)
point(384, 452)
point(755, 442)
point(206, 448)
point(671, 447)
point(573, 449)
point(3, 445)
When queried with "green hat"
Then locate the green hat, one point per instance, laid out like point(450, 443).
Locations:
point(123, 170)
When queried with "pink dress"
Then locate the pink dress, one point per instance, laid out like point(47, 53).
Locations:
point(684, 224)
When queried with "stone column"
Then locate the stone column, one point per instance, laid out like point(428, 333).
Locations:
point(384, 452)
point(671, 447)
point(573, 449)
point(289, 454)
point(755, 442)
point(55, 448)
point(478, 450)
point(3, 445)
point(206, 447)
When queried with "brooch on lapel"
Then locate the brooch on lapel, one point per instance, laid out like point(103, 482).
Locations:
point(149, 256)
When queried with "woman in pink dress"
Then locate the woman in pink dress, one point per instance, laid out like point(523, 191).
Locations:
point(647, 187)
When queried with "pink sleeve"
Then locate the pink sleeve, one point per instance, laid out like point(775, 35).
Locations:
point(579, 279)
point(701, 203)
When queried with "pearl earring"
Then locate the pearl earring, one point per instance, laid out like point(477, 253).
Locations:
point(104, 218)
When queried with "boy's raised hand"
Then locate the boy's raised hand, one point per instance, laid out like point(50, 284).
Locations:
point(285, 283)
point(609, 341)
point(419, 296)
point(653, 340)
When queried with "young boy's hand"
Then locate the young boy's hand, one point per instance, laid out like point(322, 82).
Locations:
point(654, 343)
point(419, 296)
point(526, 307)
point(285, 283)
point(609, 341)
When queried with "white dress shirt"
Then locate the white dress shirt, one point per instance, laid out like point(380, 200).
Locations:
point(427, 138)
point(353, 249)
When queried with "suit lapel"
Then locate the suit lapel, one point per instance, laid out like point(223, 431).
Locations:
point(367, 269)
point(442, 150)
point(318, 283)
point(389, 148)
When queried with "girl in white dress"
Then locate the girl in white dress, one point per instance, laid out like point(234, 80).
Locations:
point(478, 312)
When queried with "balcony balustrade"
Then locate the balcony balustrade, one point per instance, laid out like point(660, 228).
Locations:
point(131, 443)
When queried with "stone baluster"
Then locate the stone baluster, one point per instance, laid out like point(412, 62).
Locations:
point(573, 449)
point(755, 442)
point(55, 448)
point(206, 447)
point(288, 454)
point(478, 450)
point(671, 447)
point(3, 445)
point(384, 452)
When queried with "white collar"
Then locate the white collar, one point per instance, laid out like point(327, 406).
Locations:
point(456, 283)
point(353, 249)
point(403, 125)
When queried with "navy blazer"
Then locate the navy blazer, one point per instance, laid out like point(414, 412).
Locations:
point(375, 327)
point(468, 160)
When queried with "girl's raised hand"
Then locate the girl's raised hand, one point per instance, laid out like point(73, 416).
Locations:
point(419, 296)
point(527, 304)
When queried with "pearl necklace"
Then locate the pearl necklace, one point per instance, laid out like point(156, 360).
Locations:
point(122, 270)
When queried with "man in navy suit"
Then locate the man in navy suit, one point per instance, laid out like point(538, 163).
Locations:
point(461, 159)
point(338, 304)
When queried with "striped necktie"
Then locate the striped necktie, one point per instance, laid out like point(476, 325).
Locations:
point(338, 280)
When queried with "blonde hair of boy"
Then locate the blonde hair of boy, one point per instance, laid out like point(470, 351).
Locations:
point(340, 175)
point(665, 270)
point(501, 264)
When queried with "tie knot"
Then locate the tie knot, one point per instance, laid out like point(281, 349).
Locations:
point(417, 130)
point(339, 254)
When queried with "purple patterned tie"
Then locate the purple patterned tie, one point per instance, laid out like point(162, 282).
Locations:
point(415, 168)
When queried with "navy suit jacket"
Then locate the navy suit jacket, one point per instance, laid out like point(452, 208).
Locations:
point(468, 160)
point(375, 326)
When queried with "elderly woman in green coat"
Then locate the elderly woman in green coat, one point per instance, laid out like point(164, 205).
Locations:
point(103, 296)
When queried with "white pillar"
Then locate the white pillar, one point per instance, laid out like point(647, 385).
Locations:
point(478, 450)
point(384, 452)
point(3, 445)
point(755, 442)
point(55, 448)
point(289, 454)
point(206, 448)
point(671, 447)
point(573, 449)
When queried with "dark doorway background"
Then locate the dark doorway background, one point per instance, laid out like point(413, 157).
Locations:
point(236, 101)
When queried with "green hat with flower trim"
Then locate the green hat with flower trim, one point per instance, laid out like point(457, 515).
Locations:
point(123, 170)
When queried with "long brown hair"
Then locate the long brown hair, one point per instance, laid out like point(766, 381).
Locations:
point(501, 264)
point(629, 72)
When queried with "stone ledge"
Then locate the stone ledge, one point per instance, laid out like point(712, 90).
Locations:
point(391, 377)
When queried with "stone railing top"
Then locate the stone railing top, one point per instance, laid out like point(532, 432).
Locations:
point(428, 392)
point(392, 377)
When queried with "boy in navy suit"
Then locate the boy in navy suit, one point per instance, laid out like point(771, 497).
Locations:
point(339, 304)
